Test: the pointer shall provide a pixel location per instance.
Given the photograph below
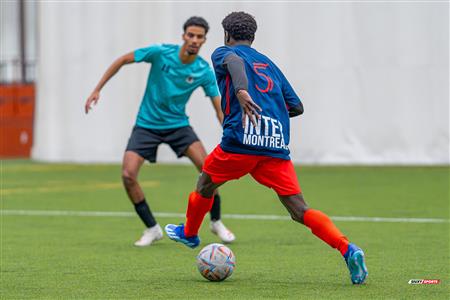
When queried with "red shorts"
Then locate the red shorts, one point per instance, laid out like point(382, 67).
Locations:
point(275, 173)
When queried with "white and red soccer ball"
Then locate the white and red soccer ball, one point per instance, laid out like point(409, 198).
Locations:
point(216, 262)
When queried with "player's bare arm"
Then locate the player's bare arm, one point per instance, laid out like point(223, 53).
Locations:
point(110, 72)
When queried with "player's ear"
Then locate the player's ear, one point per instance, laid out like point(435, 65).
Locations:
point(227, 37)
point(183, 36)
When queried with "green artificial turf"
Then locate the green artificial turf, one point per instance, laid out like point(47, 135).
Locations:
point(81, 257)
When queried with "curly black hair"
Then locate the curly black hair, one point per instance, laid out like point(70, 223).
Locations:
point(240, 26)
point(196, 21)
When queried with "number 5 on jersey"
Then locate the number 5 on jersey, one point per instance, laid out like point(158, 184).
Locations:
point(257, 67)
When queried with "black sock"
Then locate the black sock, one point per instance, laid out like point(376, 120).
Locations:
point(215, 209)
point(145, 213)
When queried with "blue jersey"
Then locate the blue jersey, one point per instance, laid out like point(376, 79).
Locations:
point(269, 88)
point(170, 83)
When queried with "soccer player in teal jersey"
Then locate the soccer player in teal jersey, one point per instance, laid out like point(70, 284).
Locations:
point(175, 73)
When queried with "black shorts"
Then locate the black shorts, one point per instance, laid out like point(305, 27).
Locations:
point(145, 141)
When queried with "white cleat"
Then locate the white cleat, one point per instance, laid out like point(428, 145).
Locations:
point(222, 232)
point(150, 235)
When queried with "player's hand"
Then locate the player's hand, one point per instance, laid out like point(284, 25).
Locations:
point(91, 100)
point(249, 108)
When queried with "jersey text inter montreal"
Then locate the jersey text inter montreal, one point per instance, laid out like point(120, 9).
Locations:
point(270, 90)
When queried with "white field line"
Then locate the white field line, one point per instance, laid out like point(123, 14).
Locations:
point(73, 213)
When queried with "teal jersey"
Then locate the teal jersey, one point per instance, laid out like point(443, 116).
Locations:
point(170, 83)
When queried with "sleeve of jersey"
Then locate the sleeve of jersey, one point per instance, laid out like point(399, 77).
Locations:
point(210, 86)
point(293, 102)
point(235, 66)
point(218, 58)
point(147, 54)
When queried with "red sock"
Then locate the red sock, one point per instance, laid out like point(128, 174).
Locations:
point(198, 206)
point(322, 227)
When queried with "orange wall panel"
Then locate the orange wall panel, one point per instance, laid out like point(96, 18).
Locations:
point(25, 101)
point(7, 101)
point(17, 103)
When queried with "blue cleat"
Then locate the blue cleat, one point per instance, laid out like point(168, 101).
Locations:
point(354, 258)
point(176, 233)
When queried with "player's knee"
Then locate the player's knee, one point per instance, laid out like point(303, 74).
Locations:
point(205, 186)
point(206, 190)
point(128, 178)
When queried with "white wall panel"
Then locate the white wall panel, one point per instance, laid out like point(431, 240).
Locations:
point(374, 77)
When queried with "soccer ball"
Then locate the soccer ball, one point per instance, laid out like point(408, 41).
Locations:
point(216, 262)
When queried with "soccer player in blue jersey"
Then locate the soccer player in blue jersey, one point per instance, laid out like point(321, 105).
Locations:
point(175, 73)
point(257, 101)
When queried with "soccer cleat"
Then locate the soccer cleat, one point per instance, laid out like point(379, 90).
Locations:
point(176, 233)
point(354, 258)
point(222, 232)
point(150, 235)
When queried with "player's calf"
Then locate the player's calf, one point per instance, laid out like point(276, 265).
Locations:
point(296, 206)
